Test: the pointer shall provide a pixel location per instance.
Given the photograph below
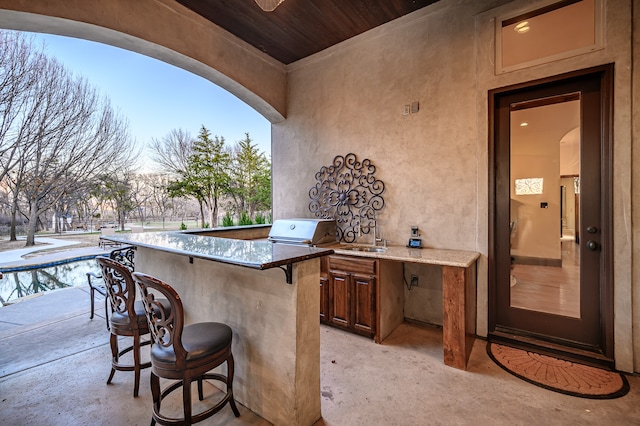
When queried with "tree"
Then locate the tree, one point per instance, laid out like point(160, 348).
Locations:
point(151, 196)
point(262, 196)
point(210, 164)
point(62, 135)
point(140, 195)
point(160, 198)
point(205, 176)
point(87, 206)
point(117, 190)
point(19, 64)
point(188, 187)
point(250, 186)
point(173, 152)
point(211, 172)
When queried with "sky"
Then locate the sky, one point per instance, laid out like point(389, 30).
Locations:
point(156, 97)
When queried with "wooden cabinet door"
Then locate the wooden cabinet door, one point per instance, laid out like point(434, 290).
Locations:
point(351, 299)
point(339, 299)
point(363, 305)
point(324, 299)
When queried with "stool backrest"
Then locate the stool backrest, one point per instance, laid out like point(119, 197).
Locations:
point(121, 289)
point(165, 326)
point(125, 256)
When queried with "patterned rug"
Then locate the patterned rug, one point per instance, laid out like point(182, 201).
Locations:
point(559, 375)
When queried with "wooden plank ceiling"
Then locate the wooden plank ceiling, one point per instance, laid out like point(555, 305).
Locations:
point(299, 28)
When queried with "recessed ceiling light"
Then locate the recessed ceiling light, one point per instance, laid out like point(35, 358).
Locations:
point(522, 27)
point(524, 124)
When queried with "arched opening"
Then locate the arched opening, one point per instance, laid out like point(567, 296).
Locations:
point(254, 79)
point(154, 96)
point(168, 32)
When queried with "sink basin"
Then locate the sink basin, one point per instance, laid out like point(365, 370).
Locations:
point(365, 249)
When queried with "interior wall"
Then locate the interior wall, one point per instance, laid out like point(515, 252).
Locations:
point(569, 216)
point(535, 153)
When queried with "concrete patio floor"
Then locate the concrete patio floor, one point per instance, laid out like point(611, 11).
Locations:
point(54, 363)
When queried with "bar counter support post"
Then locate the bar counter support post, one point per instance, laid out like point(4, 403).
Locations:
point(459, 314)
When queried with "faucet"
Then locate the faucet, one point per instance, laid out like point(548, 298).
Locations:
point(373, 228)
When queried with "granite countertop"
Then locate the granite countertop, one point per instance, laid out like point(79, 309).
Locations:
point(262, 254)
point(258, 254)
point(457, 258)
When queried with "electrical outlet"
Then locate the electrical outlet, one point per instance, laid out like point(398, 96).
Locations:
point(414, 231)
point(414, 280)
point(406, 110)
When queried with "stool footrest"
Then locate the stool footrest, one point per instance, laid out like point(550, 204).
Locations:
point(228, 398)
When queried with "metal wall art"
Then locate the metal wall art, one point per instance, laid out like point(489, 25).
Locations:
point(348, 192)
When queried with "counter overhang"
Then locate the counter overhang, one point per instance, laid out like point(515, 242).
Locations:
point(256, 254)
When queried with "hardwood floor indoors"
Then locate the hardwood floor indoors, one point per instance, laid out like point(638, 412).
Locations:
point(551, 289)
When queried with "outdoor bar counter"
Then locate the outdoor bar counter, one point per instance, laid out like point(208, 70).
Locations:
point(267, 293)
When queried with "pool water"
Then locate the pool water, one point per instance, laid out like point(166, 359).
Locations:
point(14, 285)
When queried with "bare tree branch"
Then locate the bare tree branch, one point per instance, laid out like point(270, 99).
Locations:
point(59, 134)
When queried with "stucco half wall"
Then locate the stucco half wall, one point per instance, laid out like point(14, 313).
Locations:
point(169, 32)
point(276, 332)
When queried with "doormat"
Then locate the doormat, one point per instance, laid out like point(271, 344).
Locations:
point(559, 375)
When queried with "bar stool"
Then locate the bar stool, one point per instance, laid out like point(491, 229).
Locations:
point(123, 255)
point(183, 352)
point(127, 318)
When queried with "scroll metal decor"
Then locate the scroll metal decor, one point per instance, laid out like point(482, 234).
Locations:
point(348, 192)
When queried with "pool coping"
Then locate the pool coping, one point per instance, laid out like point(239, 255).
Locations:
point(52, 259)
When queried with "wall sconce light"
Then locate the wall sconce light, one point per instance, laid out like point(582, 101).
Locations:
point(268, 5)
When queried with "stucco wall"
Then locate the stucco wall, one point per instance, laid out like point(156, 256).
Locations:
point(276, 334)
point(350, 98)
point(434, 163)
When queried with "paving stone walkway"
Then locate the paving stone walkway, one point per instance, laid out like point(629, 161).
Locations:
point(15, 258)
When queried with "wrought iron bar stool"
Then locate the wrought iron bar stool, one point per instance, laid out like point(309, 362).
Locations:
point(185, 353)
point(125, 256)
point(127, 318)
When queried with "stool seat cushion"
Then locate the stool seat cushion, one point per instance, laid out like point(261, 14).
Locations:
point(122, 320)
point(199, 340)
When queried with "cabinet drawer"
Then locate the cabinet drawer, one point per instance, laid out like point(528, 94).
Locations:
point(357, 265)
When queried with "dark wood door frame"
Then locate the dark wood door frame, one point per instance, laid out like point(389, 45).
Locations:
point(604, 355)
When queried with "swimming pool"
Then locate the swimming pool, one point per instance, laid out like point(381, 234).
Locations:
point(20, 283)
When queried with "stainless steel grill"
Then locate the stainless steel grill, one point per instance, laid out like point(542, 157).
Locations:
point(310, 232)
